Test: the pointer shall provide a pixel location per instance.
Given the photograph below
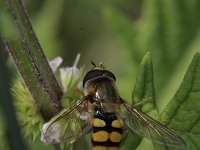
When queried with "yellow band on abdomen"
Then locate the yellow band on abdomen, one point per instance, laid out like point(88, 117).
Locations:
point(96, 122)
point(100, 136)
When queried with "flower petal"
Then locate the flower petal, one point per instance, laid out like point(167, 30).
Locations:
point(55, 63)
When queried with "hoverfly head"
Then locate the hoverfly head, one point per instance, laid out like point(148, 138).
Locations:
point(98, 72)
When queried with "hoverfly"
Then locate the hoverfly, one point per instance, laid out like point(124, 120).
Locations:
point(103, 112)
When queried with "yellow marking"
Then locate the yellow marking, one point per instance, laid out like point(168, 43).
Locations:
point(96, 122)
point(116, 124)
point(113, 148)
point(99, 148)
point(100, 136)
point(115, 137)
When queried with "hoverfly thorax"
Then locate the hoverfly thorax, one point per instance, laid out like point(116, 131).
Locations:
point(101, 84)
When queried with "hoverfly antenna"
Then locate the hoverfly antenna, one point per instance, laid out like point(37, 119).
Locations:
point(101, 65)
point(94, 65)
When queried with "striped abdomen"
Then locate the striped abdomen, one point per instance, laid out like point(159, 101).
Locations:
point(106, 131)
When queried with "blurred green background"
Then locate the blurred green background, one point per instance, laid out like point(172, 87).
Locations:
point(118, 32)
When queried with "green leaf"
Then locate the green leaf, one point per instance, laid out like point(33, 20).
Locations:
point(183, 111)
point(143, 96)
point(32, 63)
point(144, 91)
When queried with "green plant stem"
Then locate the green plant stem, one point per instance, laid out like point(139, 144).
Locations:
point(32, 63)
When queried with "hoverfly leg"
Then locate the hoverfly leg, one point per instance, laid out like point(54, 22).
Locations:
point(78, 91)
point(90, 107)
point(82, 109)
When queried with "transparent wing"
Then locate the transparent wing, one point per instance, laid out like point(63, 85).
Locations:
point(68, 125)
point(146, 126)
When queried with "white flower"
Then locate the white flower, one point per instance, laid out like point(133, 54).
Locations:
point(55, 63)
point(70, 75)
